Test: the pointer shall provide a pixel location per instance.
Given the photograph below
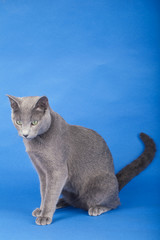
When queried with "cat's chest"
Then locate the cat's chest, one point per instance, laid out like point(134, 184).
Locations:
point(44, 152)
point(41, 155)
point(33, 146)
point(38, 148)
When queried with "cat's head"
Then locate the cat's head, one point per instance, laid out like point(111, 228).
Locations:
point(30, 115)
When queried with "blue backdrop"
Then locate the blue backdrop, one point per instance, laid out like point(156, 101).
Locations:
point(98, 63)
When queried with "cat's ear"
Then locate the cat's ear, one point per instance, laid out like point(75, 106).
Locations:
point(42, 103)
point(13, 102)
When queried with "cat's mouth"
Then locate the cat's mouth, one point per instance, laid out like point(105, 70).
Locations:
point(27, 137)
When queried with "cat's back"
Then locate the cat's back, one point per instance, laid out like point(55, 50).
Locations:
point(85, 136)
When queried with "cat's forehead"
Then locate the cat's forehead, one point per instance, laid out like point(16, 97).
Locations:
point(27, 103)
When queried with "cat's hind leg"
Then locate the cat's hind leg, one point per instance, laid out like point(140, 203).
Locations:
point(98, 210)
point(100, 194)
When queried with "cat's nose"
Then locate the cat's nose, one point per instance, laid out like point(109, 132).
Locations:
point(25, 135)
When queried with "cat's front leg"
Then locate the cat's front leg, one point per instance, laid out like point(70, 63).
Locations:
point(42, 178)
point(55, 181)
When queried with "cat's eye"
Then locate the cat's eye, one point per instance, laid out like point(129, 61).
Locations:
point(19, 122)
point(33, 123)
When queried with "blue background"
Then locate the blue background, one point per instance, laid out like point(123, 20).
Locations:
point(98, 63)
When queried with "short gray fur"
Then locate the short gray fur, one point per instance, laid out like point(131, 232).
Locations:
point(71, 160)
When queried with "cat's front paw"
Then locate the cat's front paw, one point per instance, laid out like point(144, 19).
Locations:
point(43, 220)
point(36, 212)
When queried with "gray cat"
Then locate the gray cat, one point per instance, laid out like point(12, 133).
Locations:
point(71, 160)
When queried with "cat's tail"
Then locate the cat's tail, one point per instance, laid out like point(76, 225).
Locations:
point(138, 165)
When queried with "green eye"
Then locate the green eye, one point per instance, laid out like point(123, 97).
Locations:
point(34, 123)
point(19, 122)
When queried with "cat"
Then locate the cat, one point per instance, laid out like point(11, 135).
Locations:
point(71, 160)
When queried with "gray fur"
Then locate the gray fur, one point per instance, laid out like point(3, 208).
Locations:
point(138, 165)
point(71, 160)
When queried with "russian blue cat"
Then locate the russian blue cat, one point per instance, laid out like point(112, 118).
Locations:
point(71, 160)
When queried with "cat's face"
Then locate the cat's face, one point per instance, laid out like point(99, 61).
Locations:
point(30, 115)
